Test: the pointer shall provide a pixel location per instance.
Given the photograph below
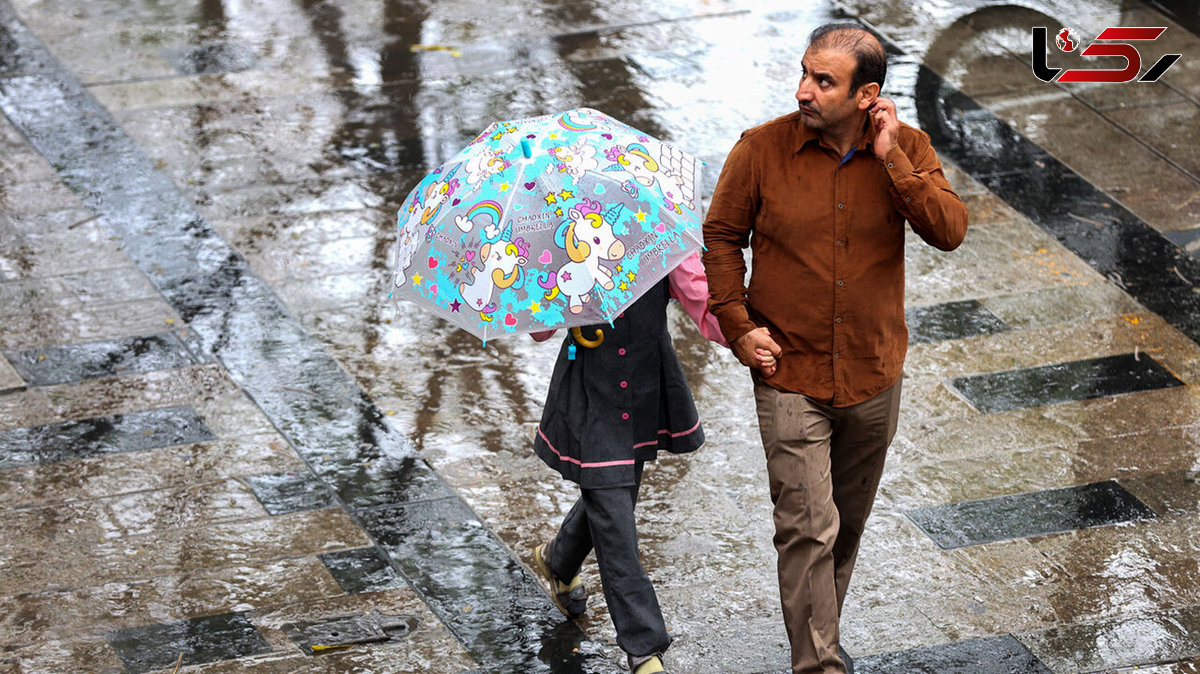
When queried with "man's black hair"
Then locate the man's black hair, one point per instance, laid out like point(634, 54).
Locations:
point(866, 46)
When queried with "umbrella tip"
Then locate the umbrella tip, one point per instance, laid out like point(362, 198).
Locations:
point(526, 148)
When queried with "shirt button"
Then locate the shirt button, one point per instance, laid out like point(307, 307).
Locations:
point(841, 205)
point(889, 164)
point(624, 384)
point(837, 355)
point(839, 243)
point(841, 283)
point(908, 198)
point(625, 415)
point(621, 351)
point(839, 319)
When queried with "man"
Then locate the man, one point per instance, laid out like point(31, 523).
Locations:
point(825, 192)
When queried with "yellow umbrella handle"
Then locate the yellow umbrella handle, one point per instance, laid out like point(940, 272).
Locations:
point(589, 343)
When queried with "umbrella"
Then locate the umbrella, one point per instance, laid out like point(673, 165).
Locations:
point(549, 222)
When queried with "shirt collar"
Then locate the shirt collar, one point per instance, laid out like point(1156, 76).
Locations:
point(805, 135)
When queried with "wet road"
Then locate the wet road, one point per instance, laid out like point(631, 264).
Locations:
point(216, 425)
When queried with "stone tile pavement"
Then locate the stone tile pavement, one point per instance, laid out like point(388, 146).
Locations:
point(215, 430)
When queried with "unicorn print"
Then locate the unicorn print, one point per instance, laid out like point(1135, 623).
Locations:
point(575, 159)
point(484, 165)
point(587, 237)
point(418, 215)
point(673, 172)
point(503, 263)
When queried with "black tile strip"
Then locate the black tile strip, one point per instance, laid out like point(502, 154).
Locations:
point(435, 543)
point(314, 403)
point(162, 427)
point(1109, 237)
point(361, 570)
point(200, 640)
point(1186, 13)
point(290, 492)
point(1063, 382)
point(952, 320)
point(991, 655)
point(62, 364)
point(1031, 514)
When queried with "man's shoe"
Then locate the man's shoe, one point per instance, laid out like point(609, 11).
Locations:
point(570, 598)
point(651, 665)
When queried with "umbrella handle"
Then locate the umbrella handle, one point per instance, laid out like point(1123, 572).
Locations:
point(589, 343)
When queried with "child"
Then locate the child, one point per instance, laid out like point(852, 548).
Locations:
point(611, 407)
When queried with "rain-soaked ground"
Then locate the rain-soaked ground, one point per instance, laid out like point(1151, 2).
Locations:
point(223, 448)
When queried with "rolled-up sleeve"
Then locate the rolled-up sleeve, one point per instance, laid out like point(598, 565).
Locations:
point(922, 194)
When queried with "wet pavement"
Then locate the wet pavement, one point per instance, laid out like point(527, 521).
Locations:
point(223, 447)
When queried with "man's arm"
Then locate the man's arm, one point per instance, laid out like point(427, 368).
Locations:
point(727, 230)
point(726, 233)
point(920, 190)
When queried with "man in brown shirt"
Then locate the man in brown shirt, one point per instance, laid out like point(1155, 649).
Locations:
point(825, 191)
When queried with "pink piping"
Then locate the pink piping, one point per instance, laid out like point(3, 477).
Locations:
point(602, 464)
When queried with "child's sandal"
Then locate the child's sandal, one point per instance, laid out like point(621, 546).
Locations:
point(570, 598)
point(651, 665)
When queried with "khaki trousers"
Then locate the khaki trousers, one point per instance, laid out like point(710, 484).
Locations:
point(824, 465)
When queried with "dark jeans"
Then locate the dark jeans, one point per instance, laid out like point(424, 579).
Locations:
point(603, 520)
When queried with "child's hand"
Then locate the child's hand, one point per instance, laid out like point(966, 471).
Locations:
point(756, 349)
point(767, 362)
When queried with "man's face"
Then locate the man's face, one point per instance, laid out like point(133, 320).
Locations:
point(824, 96)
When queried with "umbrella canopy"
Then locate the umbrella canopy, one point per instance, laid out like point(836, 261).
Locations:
point(548, 222)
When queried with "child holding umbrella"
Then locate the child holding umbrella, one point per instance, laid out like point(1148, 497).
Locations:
point(614, 402)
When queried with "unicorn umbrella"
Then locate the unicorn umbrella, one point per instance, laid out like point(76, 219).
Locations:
point(549, 222)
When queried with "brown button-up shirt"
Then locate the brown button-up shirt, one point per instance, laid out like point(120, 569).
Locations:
point(827, 235)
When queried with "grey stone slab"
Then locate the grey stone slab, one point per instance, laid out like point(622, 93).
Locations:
point(62, 364)
point(84, 438)
point(10, 379)
point(291, 492)
point(1031, 514)
point(1063, 382)
point(199, 640)
point(213, 58)
point(951, 320)
point(362, 570)
point(992, 655)
point(1128, 641)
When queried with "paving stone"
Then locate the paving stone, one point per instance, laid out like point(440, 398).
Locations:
point(1058, 305)
point(179, 551)
point(1031, 514)
point(147, 470)
point(25, 407)
point(58, 365)
point(999, 655)
point(1130, 640)
point(87, 324)
point(1052, 384)
point(362, 570)
point(102, 435)
point(79, 613)
point(951, 320)
point(199, 640)
point(291, 492)
point(429, 541)
point(10, 379)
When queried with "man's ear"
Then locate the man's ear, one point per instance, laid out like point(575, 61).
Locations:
point(867, 94)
